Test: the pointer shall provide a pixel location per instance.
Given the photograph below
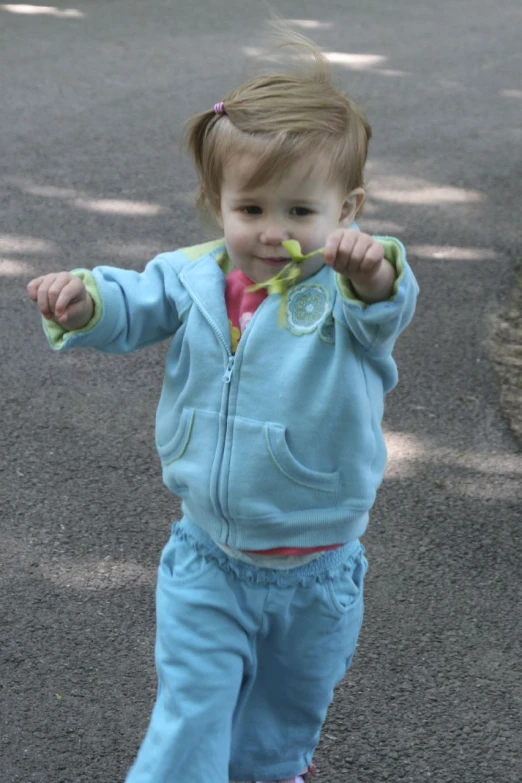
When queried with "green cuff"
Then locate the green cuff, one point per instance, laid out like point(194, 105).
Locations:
point(55, 332)
point(393, 252)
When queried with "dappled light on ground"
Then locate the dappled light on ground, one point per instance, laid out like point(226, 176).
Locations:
point(390, 72)
point(363, 62)
point(511, 93)
point(14, 243)
point(406, 452)
point(450, 253)
point(46, 191)
point(108, 206)
point(105, 206)
point(375, 226)
point(353, 60)
point(11, 268)
point(410, 190)
point(128, 250)
point(42, 10)
point(106, 574)
point(403, 452)
point(91, 574)
point(309, 24)
point(358, 62)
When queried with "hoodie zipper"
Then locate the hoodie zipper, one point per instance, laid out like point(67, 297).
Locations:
point(226, 378)
point(228, 372)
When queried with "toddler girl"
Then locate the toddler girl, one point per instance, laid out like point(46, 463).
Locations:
point(268, 426)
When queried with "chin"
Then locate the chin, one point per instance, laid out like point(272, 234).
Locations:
point(260, 278)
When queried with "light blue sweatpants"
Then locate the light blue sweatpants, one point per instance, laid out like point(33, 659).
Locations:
point(247, 660)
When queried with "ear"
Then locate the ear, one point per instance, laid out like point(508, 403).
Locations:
point(352, 204)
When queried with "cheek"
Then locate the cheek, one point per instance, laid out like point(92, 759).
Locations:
point(237, 236)
point(314, 236)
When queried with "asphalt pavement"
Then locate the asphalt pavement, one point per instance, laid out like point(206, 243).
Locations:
point(93, 99)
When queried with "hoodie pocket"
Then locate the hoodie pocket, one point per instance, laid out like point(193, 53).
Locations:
point(186, 457)
point(174, 448)
point(266, 478)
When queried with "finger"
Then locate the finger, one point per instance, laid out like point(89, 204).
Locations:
point(60, 281)
point(360, 248)
point(69, 294)
point(372, 258)
point(32, 288)
point(43, 296)
point(331, 247)
point(375, 251)
point(75, 310)
point(345, 253)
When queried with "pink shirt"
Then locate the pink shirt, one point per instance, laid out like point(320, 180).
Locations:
point(241, 304)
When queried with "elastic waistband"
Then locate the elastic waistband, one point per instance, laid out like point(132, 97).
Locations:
point(324, 567)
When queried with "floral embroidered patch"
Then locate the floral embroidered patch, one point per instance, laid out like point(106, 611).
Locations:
point(306, 308)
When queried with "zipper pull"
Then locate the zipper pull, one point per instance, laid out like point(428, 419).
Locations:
point(228, 372)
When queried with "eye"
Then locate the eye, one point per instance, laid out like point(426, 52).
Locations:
point(300, 212)
point(251, 209)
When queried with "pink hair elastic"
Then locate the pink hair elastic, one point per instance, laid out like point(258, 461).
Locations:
point(219, 108)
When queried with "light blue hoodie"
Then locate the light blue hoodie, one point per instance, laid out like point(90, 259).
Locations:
point(281, 444)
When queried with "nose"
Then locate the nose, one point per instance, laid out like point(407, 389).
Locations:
point(274, 234)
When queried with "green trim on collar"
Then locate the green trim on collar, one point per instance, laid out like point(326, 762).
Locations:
point(394, 253)
point(194, 252)
point(197, 252)
point(55, 332)
point(224, 263)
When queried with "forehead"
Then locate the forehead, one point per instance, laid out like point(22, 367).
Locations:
point(305, 179)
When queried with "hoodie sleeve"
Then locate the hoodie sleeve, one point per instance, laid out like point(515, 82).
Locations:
point(131, 309)
point(376, 326)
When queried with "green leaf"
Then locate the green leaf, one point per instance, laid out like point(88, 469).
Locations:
point(313, 253)
point(293, 247)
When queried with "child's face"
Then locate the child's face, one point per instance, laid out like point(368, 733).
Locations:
point(303, 206)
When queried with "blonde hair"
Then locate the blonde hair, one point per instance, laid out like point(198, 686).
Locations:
point(282, 118)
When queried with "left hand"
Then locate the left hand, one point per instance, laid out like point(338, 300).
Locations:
point(353, 254)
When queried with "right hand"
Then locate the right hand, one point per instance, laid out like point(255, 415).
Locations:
point(62, 297)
